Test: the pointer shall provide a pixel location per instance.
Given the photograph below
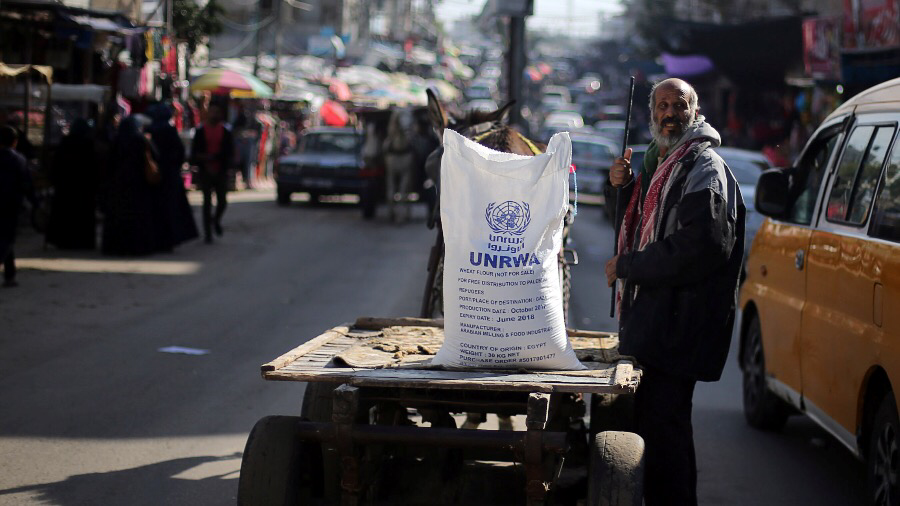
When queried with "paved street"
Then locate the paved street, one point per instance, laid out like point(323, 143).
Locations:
point(91, 413)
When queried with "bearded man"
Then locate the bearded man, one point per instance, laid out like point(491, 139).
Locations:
point(680, 245)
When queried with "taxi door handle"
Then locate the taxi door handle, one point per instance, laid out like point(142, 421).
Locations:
point(798, 259)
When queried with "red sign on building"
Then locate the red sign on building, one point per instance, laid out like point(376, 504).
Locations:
point(871, 24)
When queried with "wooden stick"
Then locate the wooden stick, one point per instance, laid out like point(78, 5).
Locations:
point(612, 302)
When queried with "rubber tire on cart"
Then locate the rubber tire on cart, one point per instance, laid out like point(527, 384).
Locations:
point(762, 409)
point(616, 470)
point(278, 468)
point(318, 401)
point(283, 198)
point(883, 457)
point(612, 412)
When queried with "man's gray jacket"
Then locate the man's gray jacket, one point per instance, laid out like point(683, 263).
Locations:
point(680, 318)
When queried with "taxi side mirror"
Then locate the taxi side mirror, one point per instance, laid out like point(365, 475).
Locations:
point(772, 192)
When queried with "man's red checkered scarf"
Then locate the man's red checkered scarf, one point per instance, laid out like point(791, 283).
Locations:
point(652, 206)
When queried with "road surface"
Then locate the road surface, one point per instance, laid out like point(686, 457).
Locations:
point(92, 413)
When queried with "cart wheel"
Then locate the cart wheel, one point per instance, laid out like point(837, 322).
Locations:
point(612, 412)
point(278, 468)
point(616, 470)
point(318, 401)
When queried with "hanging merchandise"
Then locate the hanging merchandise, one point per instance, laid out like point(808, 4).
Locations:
point(148, 44)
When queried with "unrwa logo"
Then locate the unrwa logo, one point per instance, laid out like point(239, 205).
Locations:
point(509, 217)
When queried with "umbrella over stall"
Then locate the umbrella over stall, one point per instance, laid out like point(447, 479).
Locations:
point(222, 81)
point(334, 114)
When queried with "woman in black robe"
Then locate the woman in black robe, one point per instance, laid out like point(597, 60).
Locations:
point(74, 175)
point(174, 222)
point(128, 224)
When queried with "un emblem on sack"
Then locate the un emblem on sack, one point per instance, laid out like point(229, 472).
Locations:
point(509, 217)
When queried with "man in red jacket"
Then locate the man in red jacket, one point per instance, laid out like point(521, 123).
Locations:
point(212, 152)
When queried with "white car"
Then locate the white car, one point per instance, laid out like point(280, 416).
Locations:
point(485, 105)
point(555, 97)
point(611, 129)
point(592, 156)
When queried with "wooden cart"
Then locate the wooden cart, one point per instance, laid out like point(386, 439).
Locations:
point(379, 425)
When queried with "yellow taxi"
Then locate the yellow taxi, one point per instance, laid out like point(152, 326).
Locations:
point(820, 320)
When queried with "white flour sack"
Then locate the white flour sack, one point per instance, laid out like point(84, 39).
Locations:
point(502, 216)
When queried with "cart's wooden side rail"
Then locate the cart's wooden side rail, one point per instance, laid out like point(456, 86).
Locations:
point(305, 348)
point(624, 379)
point(607, 372)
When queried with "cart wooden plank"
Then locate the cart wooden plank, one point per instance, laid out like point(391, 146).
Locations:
point(394, 346)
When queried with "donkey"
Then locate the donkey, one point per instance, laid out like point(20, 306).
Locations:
point(400, 162)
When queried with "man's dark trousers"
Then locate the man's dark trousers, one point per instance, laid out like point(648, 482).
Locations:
point(663, 406)
point(210, 183)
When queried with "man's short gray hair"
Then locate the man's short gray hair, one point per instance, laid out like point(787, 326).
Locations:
point(692, 94)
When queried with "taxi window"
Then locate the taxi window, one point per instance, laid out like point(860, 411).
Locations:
point(857, 174)
point(808, 175)
point(886, 216)
point(869, 175)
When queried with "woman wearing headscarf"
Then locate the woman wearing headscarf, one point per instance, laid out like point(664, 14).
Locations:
point(174, 220)
point(74, 175)
point(128, 226)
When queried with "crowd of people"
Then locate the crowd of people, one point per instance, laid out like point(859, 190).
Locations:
point(129, 173)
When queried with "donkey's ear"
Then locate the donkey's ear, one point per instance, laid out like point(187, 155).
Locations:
point(436, 113)
point(500, 114)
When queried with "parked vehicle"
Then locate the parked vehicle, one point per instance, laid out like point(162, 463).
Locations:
point(560, 121)
point(481, 90)
point(485, 105)
point(611, 129)
point(820, 333)
point(592, 156)
point(555, 97)
point(328, 161)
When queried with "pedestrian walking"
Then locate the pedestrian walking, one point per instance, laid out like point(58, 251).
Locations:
point(212, 152)
point(680, 247)
point(75, 178)
point(14, 186)
point(128, 222)
point(173, 220)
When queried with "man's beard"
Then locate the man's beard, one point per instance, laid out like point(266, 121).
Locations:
point(665, 140)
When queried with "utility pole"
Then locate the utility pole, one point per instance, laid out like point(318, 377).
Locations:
point(277, 9)
point(170, 13)
point(517, 10)
point(263, 5)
